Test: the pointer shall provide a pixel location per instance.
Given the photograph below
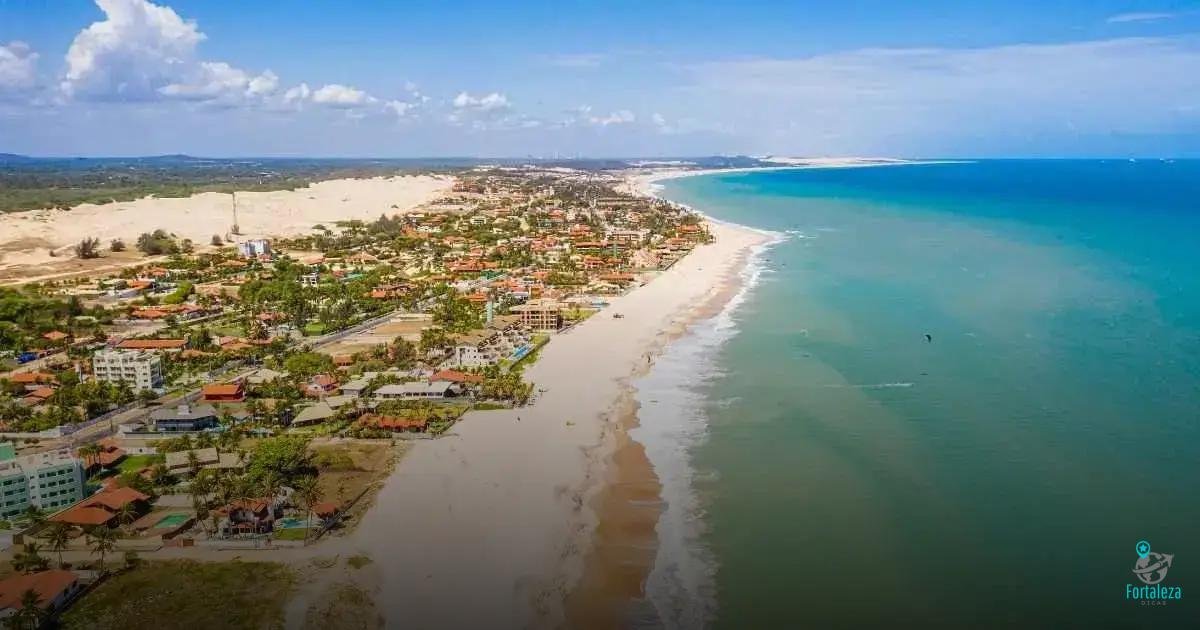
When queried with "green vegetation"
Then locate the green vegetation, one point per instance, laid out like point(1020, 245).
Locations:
point(306, 364)
point(180, 293)
point(156, 243)
point(249, 595)
point(88, 248)
point(25, 316)
point(291, 533)
point(62, 183)
point(134, 463)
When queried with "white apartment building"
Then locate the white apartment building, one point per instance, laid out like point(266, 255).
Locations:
point(139, 368)
point(254, 248)
point(49, 481)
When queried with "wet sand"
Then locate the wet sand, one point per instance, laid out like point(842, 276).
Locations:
point(490, 527)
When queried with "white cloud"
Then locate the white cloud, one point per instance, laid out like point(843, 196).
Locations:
point(297, 95)
point(341, 96)
point(1139, 17)
point(264, 84)
point(619, 117)
point(399, 108)
point(138, 48)
point(18, 67)
point(583, 116)
point(143, 51)
point(219, 81)
point(490, 103)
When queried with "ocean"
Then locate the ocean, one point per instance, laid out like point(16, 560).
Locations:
point(950, 394)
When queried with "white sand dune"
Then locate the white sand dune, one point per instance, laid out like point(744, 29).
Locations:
point(26, 238)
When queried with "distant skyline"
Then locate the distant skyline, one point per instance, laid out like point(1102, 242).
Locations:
point(546, 79)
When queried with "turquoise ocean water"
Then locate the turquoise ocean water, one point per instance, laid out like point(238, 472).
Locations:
point(826, 465)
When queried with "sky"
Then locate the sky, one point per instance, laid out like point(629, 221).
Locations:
point(600, 79)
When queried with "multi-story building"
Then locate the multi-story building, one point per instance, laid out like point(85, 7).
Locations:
point(498, 340)
point(141, 369)
point(540, 314)
point(254, 248)
point(48, 481)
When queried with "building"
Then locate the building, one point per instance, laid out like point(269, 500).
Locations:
point(54, 588)
point(540, 314)
point(139, 368)
point(320, 386)
point(499, 339)
point(223, 392)
point(106, 507)
point(185, 418)
point(254, 248)
point(355, 387)
point(417, 391)
point(48, 481)
point(180, 463)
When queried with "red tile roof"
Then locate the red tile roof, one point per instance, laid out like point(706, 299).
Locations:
point(325, 509)
point(222, 390)
point(114, 498)
point(26, 378)
point(454, 376)
point(152, 344)
point(83, 515)
point(47, 584)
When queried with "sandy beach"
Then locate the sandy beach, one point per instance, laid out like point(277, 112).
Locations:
point(491, 526)
point(28, 238)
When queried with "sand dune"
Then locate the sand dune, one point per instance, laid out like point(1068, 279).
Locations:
point(27, 238)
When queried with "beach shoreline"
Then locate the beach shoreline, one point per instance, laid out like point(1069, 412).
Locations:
point(509, 504)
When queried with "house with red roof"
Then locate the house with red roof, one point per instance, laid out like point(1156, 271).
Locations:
point(223, 392)
point(54, 588)
point(320, 386)
point(103, 508)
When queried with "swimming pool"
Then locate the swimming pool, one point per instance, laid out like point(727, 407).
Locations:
point(171, 521)
point(291, 522)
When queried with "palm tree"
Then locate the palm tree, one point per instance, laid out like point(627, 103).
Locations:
point(309, 494)
point(29, 559)
point(30, 615)
point(90, 453)
point(102, 540)
point(193, 462)
point(270, 485)
point(59, 538)
point(35, 516)
point(126, 514)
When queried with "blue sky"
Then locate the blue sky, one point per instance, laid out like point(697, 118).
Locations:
point(322, 78)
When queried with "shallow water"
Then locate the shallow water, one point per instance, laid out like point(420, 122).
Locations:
point(828, 464)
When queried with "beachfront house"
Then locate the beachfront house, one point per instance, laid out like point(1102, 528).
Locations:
point(54, 589)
